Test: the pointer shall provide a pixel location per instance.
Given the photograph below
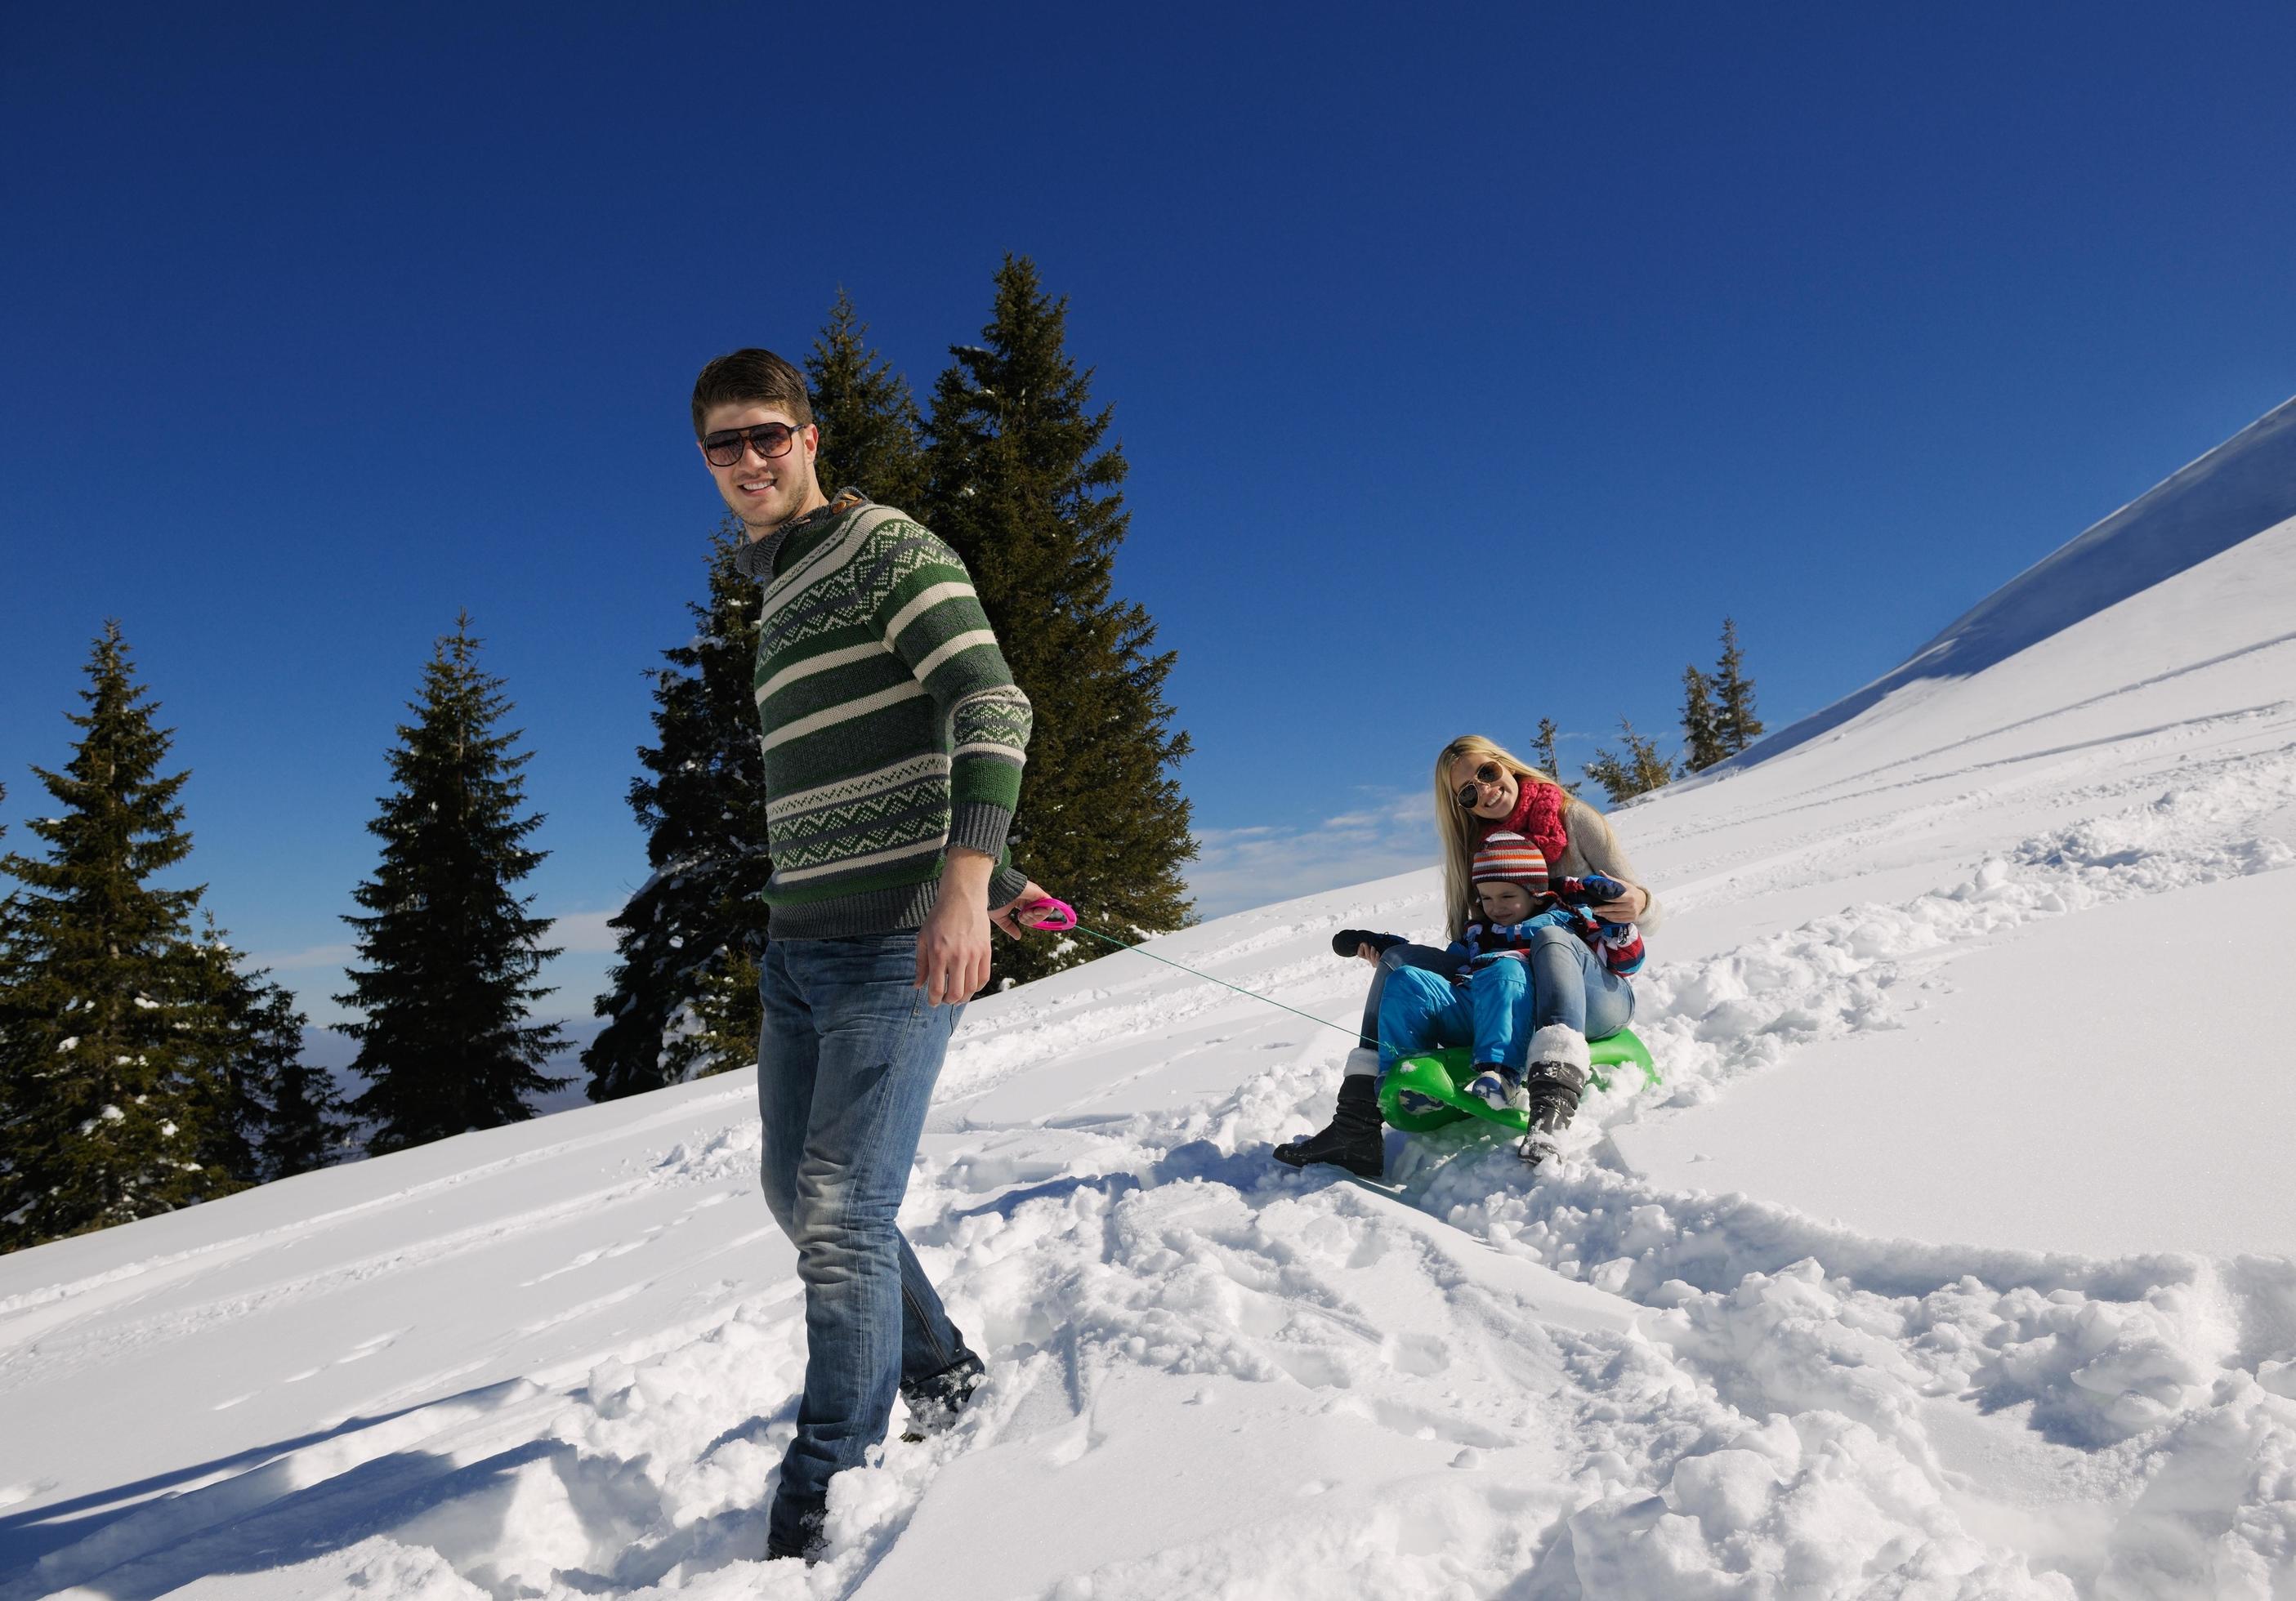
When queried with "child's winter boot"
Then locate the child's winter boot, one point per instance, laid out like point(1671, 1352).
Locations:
point(1499, 1087)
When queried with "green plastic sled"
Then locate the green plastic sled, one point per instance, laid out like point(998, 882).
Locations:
point(1442, 1074)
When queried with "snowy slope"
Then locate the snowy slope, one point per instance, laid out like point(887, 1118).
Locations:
point(1858, 1301)
point(2237, 491)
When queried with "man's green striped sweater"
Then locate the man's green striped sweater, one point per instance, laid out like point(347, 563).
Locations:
point(892, 727)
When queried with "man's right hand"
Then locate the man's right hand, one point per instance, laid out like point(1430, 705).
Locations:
point(953, 954)
point(1006, 918)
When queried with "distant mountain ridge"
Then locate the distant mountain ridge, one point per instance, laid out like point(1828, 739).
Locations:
point(2236, 492)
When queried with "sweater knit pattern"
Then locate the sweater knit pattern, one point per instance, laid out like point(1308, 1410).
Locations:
point(891, 727)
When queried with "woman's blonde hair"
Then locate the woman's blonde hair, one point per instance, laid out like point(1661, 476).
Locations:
point(1458, 831)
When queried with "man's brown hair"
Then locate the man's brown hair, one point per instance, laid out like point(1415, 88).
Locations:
point(751, 377)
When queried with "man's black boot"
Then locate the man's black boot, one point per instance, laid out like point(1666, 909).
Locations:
point(1354, 1140)
point(798, 1535)
point(934, 1402)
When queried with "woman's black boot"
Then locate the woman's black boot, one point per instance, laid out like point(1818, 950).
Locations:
point(1354, 1140)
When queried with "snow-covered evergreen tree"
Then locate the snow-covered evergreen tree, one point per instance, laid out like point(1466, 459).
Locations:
point(1639, 770)
point(683, 1001)
point(231, 1074)
point(1733, 695)
point(1543, 753)
point(281, 1116)
point(868, 416)
point(110, 1080)
point(448, 951)
point(309, 1126)
point(1022, 485)
point(1701, 731)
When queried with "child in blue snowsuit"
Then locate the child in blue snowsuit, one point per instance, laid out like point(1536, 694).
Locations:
point(1486, 1003)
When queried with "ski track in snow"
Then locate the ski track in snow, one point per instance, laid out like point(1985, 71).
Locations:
point(71, 1295)
point(1746, 1401)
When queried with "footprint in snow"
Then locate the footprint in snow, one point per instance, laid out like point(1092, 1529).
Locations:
point(368, 1347)
point(582, 1261)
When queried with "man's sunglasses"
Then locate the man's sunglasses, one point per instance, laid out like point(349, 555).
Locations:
point(1471, 794)
point(771, 439)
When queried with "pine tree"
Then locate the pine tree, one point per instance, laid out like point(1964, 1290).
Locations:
point(281, 1116)
point(868, 417)
point(1734, 720)
point(449, 950)
point(1021, 484)
point(1543, 751)
point(1640, 771)
point(9, 979)
point(109, 1088)
point(684, 995)
point(235, 1105)
point(12, 976)
point(727, 1014)
point(1702, 733)
point(309, 1127)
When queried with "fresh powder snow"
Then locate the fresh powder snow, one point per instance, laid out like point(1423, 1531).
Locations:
point(1952, 1257)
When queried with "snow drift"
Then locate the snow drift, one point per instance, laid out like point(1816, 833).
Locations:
point(1951, 1259)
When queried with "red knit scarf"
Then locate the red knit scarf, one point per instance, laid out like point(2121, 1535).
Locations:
point(1537, 817)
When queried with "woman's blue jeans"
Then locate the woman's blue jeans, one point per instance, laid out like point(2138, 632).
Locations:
point(1497, 1012)
point(845, 1066)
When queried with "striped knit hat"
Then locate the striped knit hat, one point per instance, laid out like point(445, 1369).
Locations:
point(1511, 858)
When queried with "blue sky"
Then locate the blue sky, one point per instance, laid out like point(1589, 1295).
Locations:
point(1470, 364)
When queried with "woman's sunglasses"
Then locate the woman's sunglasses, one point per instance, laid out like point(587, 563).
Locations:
point(1471, 794)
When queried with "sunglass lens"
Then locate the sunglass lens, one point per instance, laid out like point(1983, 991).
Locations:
point(769, 439)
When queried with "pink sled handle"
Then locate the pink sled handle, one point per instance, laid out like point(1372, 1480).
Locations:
point(1045, 915)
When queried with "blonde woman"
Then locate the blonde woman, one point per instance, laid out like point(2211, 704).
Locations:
point(1480, 789)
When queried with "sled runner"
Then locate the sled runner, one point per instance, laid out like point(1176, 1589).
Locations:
point(1441, 1076)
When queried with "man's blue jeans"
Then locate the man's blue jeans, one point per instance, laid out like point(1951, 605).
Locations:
point(845, 1066)
point(1497, 1012)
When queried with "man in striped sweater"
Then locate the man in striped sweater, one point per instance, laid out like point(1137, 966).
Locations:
point(894, 737)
